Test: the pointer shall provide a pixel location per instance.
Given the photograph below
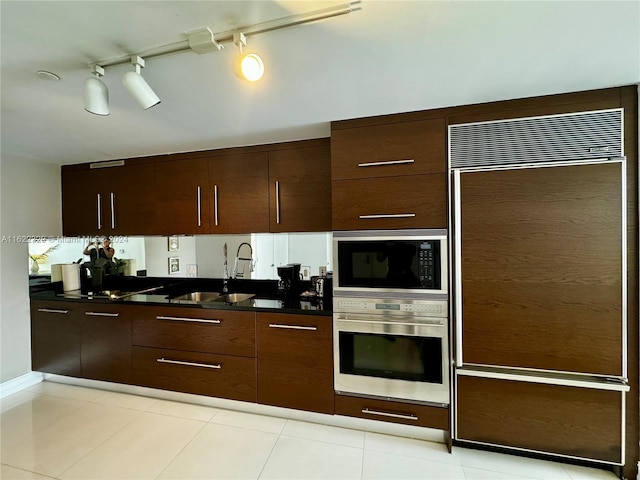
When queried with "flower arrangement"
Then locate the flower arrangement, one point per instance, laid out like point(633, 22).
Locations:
point(37, 258)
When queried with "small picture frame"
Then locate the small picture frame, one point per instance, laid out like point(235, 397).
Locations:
point(174, 244)
point(174, 265)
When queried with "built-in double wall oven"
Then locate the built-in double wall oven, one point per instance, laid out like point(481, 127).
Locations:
point(391, 331)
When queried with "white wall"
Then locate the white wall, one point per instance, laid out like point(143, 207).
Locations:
point(29, 205)
point(157, 255)
point(209, 249)
point(272, 250)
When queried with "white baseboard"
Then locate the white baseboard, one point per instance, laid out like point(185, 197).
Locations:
point(375, 426)
point(20, 383)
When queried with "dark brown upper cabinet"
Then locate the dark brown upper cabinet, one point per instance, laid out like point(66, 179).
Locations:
point(182, 196)
point(389, 174)
point(109, 200)
point(239, 193)
point(399, 148)
point(300, 189)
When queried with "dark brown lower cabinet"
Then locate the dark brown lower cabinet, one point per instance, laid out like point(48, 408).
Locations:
point(55, 338)
point(396, 412)
point(564, 420)
point(215, 375)
point(295, 361)
point(105, 350)
point(195, 329)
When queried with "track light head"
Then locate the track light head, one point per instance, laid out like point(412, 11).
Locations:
point(247, 66)
point(138, 87)
point(96, 93)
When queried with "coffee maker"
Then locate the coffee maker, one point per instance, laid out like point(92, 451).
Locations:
point(289, 285)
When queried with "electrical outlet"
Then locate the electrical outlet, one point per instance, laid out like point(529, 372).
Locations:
point(323, 271)
point(306, 273)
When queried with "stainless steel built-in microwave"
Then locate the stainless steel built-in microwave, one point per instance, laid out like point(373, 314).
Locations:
point(408, 261)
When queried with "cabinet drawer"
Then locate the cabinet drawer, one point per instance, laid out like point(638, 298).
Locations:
point(295, 361)
point(396, 412)
point(407, 148)
point(223, 376)
point(105, 351)
point(579, 422)
point(195, 329)
point(55, 337)
point(418, 201)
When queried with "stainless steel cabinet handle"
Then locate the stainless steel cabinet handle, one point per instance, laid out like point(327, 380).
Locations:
point(389, 162)
point(387, 414)
point(99, 207)
point(199, 206)
point(292, 327)
point(186, 319)
point(388, 215)
point(277, 201)
point(52, 310)
point(113, 210)
point(215, 204)
point(190, 364)
point(102, 314)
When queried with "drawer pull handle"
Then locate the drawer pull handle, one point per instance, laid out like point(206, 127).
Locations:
point(101, 314)
point(292, 327)
point(52, 310)
point(190, 364)
point(389, 162)
point(186, 319)
point(387, 215)
point(387, 414)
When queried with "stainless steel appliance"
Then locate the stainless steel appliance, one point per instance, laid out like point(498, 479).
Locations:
point(392, 348)
point(377, 262)
point(324, 286)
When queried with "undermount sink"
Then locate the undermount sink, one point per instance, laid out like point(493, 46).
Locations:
point(195, 297)
point(234, 297)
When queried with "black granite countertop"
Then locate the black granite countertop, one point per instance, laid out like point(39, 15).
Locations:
point(265, 291)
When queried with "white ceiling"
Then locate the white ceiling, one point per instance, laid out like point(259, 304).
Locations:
point(391, 56)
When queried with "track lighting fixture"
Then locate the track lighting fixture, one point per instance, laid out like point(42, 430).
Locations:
point(248, 66)
point(96, 93)
point(138, 87)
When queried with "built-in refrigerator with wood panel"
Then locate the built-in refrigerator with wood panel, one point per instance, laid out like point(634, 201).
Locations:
point(539, 284)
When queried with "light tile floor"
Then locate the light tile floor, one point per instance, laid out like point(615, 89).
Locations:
point(67, 432)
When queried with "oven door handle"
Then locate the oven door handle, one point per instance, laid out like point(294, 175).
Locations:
point(412, 329)
point(423, 321)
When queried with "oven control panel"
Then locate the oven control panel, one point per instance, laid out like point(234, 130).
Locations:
point(433, 308)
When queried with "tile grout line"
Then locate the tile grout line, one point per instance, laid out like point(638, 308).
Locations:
point(204, 424)
point(133, 419)
point(272, 449)
point(364, 439)
point(29, 471)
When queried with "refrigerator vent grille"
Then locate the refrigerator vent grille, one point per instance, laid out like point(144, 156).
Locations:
point(556, 138)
